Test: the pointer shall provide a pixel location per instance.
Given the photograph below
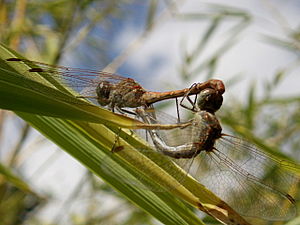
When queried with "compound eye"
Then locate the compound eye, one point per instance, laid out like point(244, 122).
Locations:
point(210, 100)
point(103, 92)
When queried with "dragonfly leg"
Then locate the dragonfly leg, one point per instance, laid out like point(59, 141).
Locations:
point(186, 96)
point(125, 111)
point(177, 109)
point(116, 146)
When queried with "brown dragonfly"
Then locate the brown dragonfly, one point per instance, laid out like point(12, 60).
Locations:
point(111, 90)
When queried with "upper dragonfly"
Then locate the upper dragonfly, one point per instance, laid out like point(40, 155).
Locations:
point(111, 90)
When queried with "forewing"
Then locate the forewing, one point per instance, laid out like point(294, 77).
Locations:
point(175, 138)
point(171, 137)
point(249, 180)
point(82, 81)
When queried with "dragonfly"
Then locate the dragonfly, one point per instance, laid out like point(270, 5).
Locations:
point(111, 90)
point(253, 182)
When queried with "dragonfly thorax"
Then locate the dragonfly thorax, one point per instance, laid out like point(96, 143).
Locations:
point(126, 93)
point(207, 130)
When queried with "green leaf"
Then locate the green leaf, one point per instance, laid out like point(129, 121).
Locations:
point(6, 174)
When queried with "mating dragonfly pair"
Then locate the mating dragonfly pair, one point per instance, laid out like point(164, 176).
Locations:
point(226, 165)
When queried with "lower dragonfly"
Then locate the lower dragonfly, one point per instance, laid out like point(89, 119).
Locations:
point(111, 90)
point(252, 182)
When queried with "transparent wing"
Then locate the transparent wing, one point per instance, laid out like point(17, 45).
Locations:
point(83, 81)
point(252, 182)
point(172, 137)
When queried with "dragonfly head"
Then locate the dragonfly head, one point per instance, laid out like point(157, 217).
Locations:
point(103, 92)
point(209, 100)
